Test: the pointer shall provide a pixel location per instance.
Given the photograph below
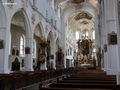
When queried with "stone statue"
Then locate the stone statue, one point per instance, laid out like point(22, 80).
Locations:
point(99, 57)
point(102, 57)
point(90, 47)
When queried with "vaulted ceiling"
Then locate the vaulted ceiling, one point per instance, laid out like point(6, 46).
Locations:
point(63, 3)
point(81, 20)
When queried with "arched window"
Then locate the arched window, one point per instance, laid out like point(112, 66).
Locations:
point(22, 45)
point(34, 48)
point(86, 33)
point(93, 34)
point(77, 35)
point(94, 50)
point(59, 12)
point(10, 43)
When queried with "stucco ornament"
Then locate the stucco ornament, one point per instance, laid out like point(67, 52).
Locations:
point(24, 3)
point(46, 28)
point(33, 18)
point(10, 3)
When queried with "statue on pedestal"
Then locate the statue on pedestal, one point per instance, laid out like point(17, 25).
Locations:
point(99, 57)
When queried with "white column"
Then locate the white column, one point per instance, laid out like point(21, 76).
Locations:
point(4, 54)
point(29, 57)
point(118, 78)
point(43, 65)
point(111, 25)
point(63, 41)
point(104, 36)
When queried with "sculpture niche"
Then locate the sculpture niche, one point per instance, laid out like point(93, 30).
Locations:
point(59, 59)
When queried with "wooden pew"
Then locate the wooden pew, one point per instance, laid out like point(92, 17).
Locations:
point(89, 86)
point(53, 88)
point(90, 78)
point(19, 79)
point(86, 81)
point(12, 81)
point(7, 80)
point(2, 84)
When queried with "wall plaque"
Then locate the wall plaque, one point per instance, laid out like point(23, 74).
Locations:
point(1, 44)
point(27, 50)
point(112, 38)
point(52, 56)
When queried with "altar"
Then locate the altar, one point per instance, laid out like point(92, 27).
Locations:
point(85, 66)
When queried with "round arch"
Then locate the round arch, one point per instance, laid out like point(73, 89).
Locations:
point(50, 37)
point(42, 29)
point(28, 34)
point(71, 9)
point(26, 22)
point(58, 42)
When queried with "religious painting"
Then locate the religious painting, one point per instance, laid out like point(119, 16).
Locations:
point(17, 52)
point(13, 51)
point(112, 38)
point(27, 50)
point(1, 44)
point(102, 54)
point(105, 47)
point(52, 56)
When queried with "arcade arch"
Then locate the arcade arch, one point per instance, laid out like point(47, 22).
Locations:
point(20, 26)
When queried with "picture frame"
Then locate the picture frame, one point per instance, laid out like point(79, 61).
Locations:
point(1, 44)
point(13, 51)
point(17, 52)
point(52, 56)
point(112, 38)
point(27, 50)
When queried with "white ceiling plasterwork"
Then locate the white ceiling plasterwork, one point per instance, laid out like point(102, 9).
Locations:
point(80, 24)
point(64, 3)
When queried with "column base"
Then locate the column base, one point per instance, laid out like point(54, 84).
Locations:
point(104, 69)
point(118, 78)
point(111, 72)
point(6, 71)
point(29, 69)
point(43, 66)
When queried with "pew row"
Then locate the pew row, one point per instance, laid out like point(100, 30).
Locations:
point(16, 80)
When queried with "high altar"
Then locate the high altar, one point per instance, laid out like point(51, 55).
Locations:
point(84, 54)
